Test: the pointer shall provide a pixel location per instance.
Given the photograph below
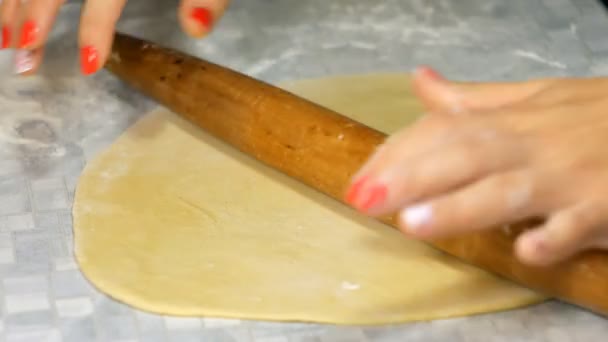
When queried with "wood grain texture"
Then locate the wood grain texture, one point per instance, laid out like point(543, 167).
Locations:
point(323, 149)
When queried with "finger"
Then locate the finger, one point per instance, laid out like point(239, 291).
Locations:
point(427, 131)
point(563, 235)
point(198, 17)
point(443, 96)
point(38, 19)
point(499, 199)
point(8, 15)
point(399, 181)
point(97, 27)
point(422, 135)
point(28, 59)
point(436, 93)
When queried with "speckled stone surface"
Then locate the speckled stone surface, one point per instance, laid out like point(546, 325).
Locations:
point(51, 124)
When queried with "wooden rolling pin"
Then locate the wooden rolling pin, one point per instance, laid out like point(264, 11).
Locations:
point(323, 149)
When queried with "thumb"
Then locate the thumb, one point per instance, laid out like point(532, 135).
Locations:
point(440, 95)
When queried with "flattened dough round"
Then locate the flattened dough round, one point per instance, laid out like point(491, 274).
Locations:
point(171, 221)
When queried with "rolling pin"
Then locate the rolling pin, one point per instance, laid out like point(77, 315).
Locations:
point(323, 149)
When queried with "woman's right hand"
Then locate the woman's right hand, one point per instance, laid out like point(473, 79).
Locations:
point(26, 26)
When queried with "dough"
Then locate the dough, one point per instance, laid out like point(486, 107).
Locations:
point(172, 221)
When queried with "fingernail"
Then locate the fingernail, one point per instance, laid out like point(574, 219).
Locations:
point(29, 31)
point(6, 37)
point(24, 61)
point(417, 216)
point(355, 190)
point(89, 60)
point(431, 73)
point(376, 196)
point(536, 249)
point(538, 244)
point(203, 16)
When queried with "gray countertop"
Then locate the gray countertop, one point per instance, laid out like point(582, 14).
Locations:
point(51, 124)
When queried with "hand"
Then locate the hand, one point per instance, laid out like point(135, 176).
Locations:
point(492, 154)
point(26, 25)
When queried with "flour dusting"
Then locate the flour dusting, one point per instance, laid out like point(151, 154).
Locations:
point(536, 57)
point(346, 285)
point(116, 170)
point(266, 64)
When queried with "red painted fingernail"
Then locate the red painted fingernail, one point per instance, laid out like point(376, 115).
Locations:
point(431, 73)
point(203, 16)
point(377, 195)
point(89, 60)
point(355, 189)
point(6, 37)
point(29, 32)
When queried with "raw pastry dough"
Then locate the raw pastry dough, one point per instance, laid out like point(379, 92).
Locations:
point(172, 221)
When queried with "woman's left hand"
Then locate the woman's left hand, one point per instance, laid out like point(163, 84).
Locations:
point(26, 26)
point(492, 154)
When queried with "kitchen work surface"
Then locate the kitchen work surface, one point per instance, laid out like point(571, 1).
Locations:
point(53, 123)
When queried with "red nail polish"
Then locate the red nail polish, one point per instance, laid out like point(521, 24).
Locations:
point(377, 195)
point(29, 32)
point(355, 189)
point(89, 60)
point(6, 37)
point(203, 16)
point(431, 73)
